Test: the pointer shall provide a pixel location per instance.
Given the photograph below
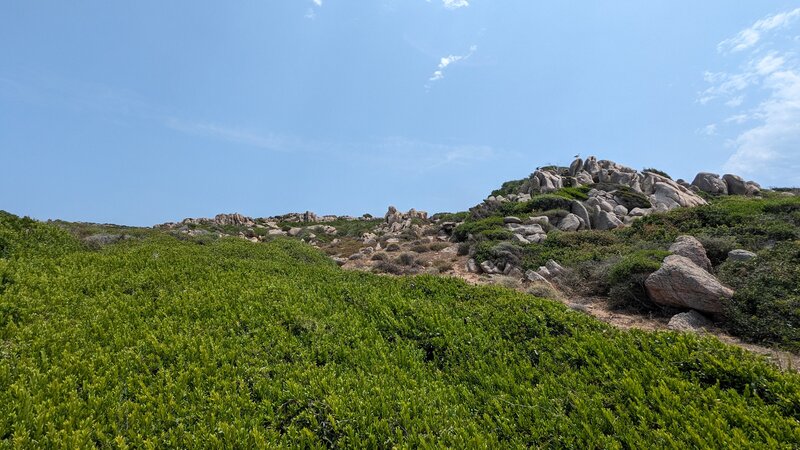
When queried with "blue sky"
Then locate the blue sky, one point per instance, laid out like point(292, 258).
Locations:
point(150, 111)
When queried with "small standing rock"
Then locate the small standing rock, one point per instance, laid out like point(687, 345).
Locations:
point(740, 255)
point(688, 321)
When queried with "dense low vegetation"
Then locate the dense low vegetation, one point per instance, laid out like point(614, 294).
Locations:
point(616, 263)
point(159, 342)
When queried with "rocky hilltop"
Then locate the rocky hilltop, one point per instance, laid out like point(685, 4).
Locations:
point(632, 247)
point(616, 194)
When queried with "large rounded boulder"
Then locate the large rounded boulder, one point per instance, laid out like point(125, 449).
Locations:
point(711, 183)
point(691, 248)
point(683, 284)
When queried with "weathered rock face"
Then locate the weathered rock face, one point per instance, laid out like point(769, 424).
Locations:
point(605, 220)
point(526, 234)
point(740, 255)
point(710, 183)
point(691, 248)
point(735, 184)
point(396, 221)
point(681, 283)
point(688, 321)
point(579, 210)
point(570, 222)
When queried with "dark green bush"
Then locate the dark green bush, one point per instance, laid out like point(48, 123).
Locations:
point(657, 172)
point(462, 231)
point(638, 262)
point(406, 259)
point(630, 293)
point(160, 343)
point(502, 252)
point(509, 187)
point(766, 305)
point(574, 193)
point(451, 217)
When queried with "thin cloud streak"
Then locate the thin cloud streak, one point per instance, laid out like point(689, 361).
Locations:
point(229, 134)
point(766, 137)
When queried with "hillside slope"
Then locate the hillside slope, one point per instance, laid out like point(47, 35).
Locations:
point(165, 342)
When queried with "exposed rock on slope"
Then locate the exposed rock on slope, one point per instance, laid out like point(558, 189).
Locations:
point(681, 283)
point(691, 248)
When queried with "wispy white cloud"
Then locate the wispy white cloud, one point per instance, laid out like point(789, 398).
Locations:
point(708, 130)
point(311, 12)
point(229, 134)
point(419, 156)
point(765, 138)
point(455, 4)
point(750, 36)
point(735, 101)
point(446, 61)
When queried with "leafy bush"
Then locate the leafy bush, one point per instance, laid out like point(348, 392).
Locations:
point(639, 262)
point(438, 246)
point(571, 248)
point(509, 187)
point(753, 222)
point(451, 217)
point(501, 253)
point(160, 343)
point(630, 293)
point(543, 290)
point(388, 267)
point(406, 259)
point(474, 227)
point(766, 305)
point(545, 202)
point(574, 193)
point(420, 248)
point(657, 172)
point(717, 247)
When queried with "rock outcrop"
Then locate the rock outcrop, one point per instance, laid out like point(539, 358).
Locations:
point(710, 183)
point(740, 255)
point(618, 194)
point(691, 248)
point(688, 321)
point(681, 283)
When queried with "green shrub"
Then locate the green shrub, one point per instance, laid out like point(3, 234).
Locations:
point(474, 227)
point(571, 248)
point(420, 248)
point(509, 187)
point(766, 304)
point(639, 262)
point(657, 172)
point(630, 293)
point(160, 343)
point(500, 252)
point(451, 217)
point(718, 247)
point(406, 259)
point(574, 193)
point(438, 246)
point(546, 202)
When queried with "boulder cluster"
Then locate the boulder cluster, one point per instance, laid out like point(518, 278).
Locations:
point(619, 194)
point(728, 184)
point(685, 280)
point(396, 221)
